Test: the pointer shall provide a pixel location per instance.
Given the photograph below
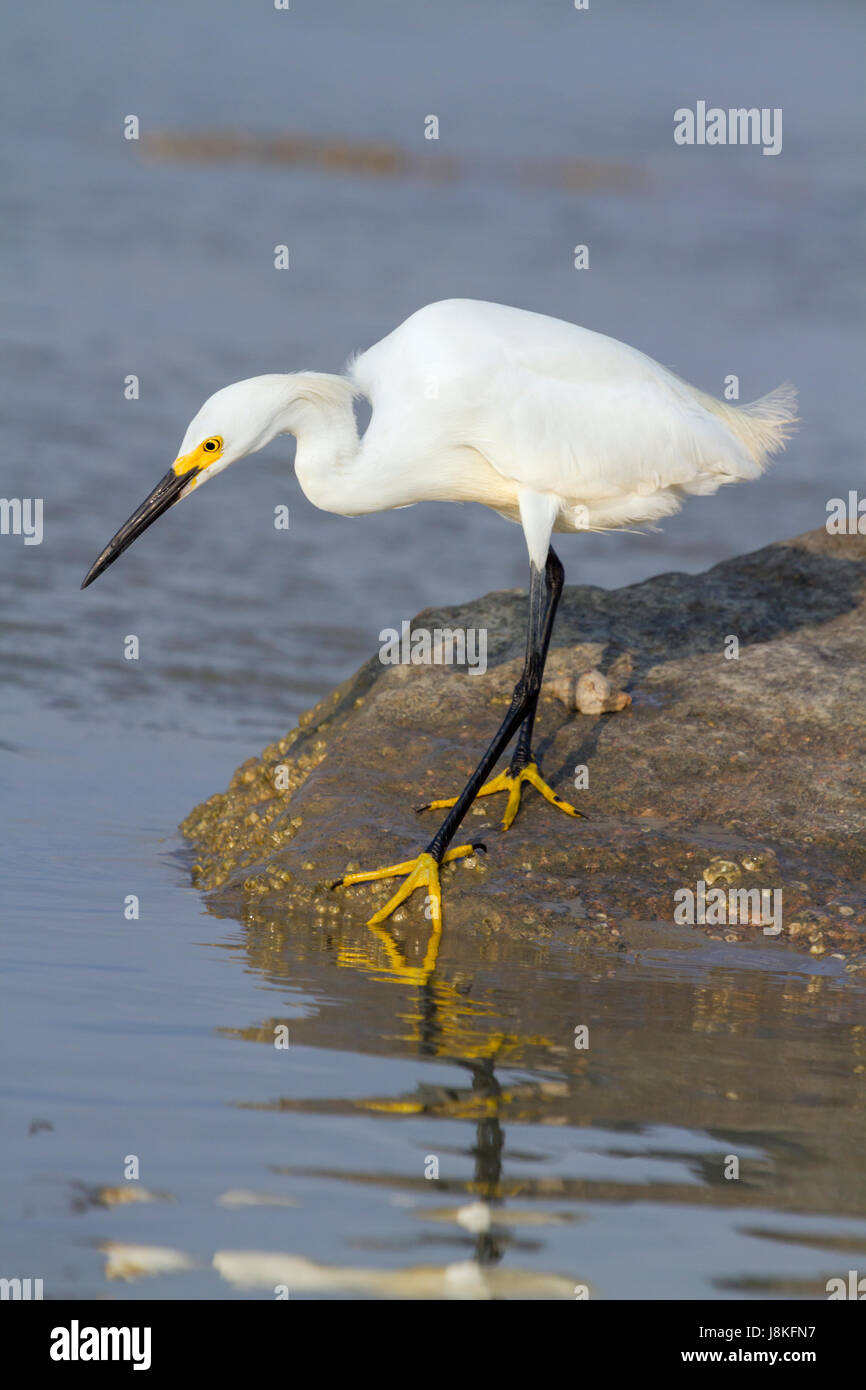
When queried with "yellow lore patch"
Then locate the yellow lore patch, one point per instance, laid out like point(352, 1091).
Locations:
point(206, 453)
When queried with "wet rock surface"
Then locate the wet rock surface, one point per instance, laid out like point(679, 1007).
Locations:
point(745, 771)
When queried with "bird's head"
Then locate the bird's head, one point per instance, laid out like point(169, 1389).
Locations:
point(234, 422)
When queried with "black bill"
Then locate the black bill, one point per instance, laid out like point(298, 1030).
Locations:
point(167, 491)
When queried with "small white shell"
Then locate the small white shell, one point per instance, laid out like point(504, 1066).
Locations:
point(590, 693)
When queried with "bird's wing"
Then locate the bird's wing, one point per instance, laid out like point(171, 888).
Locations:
point(551, 406)
point(592, 440)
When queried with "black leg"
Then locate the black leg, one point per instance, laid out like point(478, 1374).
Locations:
point(545, 588)
point(554, 576)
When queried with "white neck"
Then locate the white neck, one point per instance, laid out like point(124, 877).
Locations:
point(321, 417)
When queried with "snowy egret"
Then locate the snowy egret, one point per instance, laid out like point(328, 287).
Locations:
point(551, 425)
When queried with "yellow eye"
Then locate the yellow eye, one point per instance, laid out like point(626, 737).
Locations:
point(212, 446)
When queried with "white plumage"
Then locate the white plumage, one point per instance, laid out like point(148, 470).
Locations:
point(551, 425)
point(485, 403)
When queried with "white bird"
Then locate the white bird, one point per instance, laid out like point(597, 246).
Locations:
point(551, 425)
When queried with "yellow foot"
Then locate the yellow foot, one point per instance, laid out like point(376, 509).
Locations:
point(422, 872)
point(512, 783)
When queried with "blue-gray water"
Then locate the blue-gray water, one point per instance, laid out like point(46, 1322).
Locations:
point(146, 1037)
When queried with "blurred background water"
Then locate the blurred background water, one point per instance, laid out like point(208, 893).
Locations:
point(134, 1037)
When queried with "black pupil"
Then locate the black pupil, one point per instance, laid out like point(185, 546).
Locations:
point(210, 445)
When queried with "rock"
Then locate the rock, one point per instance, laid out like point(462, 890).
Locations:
point(743, 746)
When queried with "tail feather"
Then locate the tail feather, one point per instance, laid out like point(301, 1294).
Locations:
point(763, 426)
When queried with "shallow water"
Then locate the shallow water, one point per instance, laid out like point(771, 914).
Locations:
point(154, 1037)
